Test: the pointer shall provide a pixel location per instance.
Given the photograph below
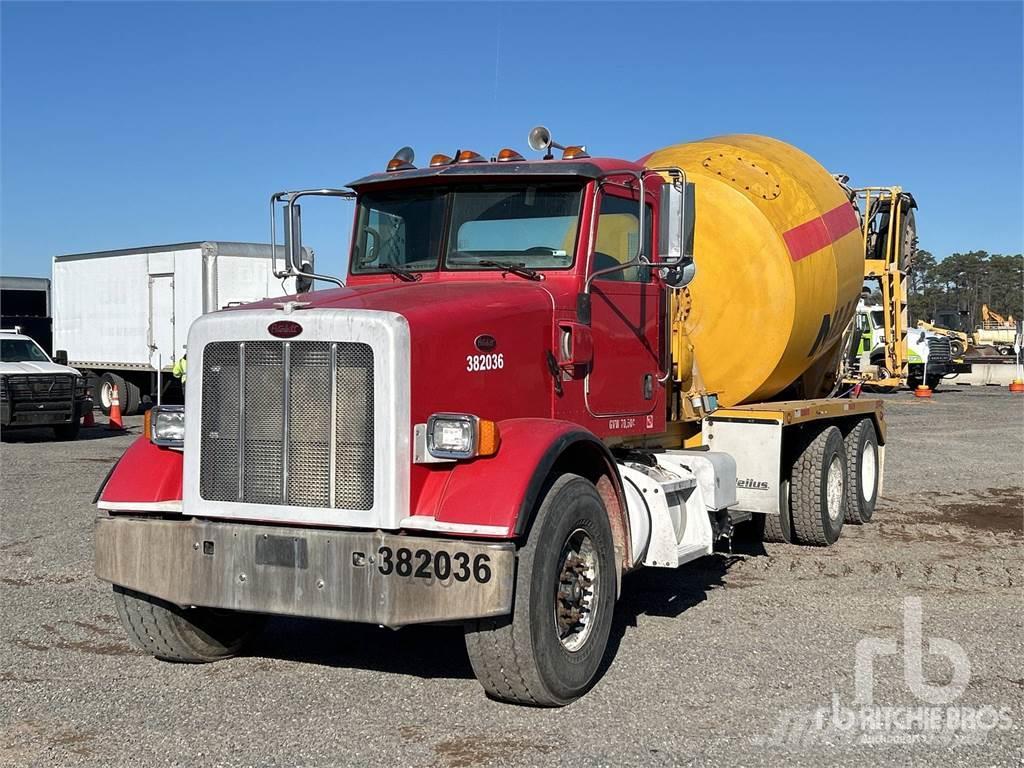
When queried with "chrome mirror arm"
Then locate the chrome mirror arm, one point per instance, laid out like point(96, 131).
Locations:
point(289, 198)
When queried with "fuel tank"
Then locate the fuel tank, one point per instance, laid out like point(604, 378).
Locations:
point(780, 264)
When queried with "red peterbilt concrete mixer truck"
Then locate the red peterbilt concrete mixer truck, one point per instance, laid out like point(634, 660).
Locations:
point(538, 376)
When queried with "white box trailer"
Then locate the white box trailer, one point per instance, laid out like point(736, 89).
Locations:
point(123, 315)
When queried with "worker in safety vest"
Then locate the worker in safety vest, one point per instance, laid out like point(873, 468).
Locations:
point(180, 369)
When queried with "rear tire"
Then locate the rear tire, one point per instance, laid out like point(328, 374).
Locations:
point(546, 654)
point(778, 529)
point(818, 489)
point(105, 394)
point(190, 635)
point(131, 400)
point(862, 472)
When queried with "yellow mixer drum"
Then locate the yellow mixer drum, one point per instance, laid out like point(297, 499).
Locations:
point(780, 264)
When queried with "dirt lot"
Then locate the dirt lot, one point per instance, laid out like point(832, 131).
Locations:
point(743, 659)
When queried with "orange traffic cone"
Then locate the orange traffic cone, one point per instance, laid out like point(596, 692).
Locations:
point(1017, 385)
point(923, 391)
point(88, 420)
point(115, 422)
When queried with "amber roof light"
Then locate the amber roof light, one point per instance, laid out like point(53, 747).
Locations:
point(574, 153)
point(469, 156)
point(510, 156)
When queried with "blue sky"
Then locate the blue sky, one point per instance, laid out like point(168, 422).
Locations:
point(134, 124)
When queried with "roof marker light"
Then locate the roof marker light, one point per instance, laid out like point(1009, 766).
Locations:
point(574, 153)
point(440, 159)
point(469, 156)
point(402, 161)
point(510, 156)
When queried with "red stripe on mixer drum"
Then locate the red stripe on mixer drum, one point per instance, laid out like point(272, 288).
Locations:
point(818, 233)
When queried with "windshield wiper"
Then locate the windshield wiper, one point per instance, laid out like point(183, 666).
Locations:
point(516, 269)
point(404, 274)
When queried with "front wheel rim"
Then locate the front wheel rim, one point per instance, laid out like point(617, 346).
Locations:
point(577, 591)
point(834, 489)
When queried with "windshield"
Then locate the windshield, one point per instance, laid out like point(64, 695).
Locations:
point(528, 225)
point(878, 317)
point(21, 351)
point(533, 225)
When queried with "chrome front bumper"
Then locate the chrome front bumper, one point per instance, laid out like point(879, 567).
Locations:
point(345, 575)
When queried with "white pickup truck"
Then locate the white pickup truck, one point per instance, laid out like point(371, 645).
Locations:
point(37, 392)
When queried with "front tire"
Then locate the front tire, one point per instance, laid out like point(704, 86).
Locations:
point(817, 489)
point(190, 635)
point(549, 651)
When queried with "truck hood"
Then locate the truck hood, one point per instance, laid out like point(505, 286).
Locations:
point(429, 304)
point(477, 345)
point(34, 368)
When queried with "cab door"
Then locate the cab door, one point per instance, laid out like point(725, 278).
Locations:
point(622, 384)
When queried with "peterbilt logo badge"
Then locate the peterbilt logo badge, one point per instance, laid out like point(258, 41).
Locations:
point(485, 342)
point(752, 485)
point(284, 329)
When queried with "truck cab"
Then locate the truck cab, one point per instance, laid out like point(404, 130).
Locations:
point(929, 355)
point(37, 392)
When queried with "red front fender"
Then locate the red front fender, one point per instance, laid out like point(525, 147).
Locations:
point(502, 491)
point(145, 478)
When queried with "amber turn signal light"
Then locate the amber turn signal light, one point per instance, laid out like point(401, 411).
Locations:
point(489, 439)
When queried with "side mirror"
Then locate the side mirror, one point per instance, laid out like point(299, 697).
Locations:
point(676, 232)
point(60, 357)
point(292, 236)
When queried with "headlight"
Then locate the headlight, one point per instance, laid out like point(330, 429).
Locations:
point(461, 436)
point(165, 425)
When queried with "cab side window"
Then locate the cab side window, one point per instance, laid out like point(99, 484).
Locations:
point(618, 226)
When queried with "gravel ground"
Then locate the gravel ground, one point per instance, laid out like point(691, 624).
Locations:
point(743, 659)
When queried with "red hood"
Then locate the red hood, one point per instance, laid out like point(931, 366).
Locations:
point(445, 320)
point(428, 300)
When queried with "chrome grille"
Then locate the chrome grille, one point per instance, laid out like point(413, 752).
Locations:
point(939, 350)
point(288, 423)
